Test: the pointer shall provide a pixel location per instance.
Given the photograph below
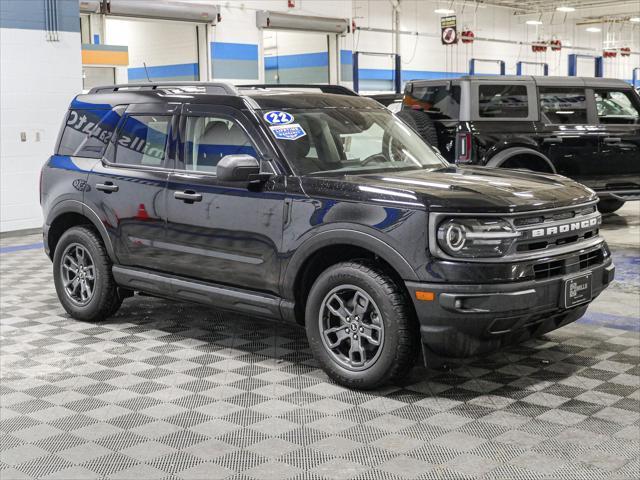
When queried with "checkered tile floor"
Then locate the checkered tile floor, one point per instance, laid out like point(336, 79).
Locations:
point(170, 390)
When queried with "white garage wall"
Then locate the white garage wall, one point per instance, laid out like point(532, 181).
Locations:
point(168, 48)
point(38, 80)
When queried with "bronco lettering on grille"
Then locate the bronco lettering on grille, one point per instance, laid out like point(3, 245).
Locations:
point(567, 227)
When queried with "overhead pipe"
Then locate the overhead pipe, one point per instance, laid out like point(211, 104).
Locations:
point(482, 39)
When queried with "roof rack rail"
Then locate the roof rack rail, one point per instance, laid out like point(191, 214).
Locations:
point(327, 88)
point(209, 87)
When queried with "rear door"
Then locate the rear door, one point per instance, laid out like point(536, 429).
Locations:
point(566, 133)
point(127, 189)
point(222, 232)
point(618, 116)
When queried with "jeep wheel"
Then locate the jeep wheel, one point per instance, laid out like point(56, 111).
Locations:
point(421, 123)
point(360, 326)
point(609, 205)
point(82, 276)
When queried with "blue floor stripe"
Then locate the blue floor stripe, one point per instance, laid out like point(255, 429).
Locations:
point(19, 248)
point(631, 324)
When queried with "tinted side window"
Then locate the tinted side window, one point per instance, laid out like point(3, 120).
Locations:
point(563, 105)
point(503, 101)
point(87, 132)
point(440, 101)
point(616, 106)
point(142, 140)
point(208, 139)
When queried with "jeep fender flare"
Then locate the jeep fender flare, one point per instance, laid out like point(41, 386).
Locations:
point(344, 236)
point(501, 157)
point(75, 206)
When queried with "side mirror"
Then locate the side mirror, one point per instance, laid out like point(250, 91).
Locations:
point(237, 168)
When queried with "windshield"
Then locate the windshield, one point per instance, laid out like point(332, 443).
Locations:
point(347, 140)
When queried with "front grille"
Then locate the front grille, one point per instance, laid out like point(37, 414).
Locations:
point(556, 228)
point(568, 265)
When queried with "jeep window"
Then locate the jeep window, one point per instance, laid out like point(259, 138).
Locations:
point(616, 106)
point(87, 132)
point(208, 139)
point(142, 140)
point(442, 102)
point(346, 140)
point(503, 101)
point(566, 106)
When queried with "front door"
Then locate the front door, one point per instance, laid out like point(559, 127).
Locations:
point(566, 133)
point(222, 232)
point(618, 113)
point(127, 189)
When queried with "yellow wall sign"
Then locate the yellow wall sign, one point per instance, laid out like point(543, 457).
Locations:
point(111, 55)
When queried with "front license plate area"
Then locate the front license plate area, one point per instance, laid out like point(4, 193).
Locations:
point(577, 290)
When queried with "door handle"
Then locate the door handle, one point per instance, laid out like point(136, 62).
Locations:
point(188, 196)
point(612, 140)
point(552, 140)
point(107, 187)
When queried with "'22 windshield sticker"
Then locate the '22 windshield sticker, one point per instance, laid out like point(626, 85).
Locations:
point(288, 132)
point(278, 118)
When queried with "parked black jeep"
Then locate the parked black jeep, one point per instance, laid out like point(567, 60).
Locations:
point(587, 129)
point(312, 208)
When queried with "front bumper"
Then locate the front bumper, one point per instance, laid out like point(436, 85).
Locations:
point(468, 319)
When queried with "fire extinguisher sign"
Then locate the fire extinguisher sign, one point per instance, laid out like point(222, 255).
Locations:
point(449, 34)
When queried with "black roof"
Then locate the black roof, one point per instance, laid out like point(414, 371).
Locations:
point(292, 96)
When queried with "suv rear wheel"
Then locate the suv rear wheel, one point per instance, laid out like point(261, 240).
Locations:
point(82, 276)
point(421, 123)
point(360, 325)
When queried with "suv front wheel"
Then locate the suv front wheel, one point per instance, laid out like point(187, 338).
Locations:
point(360, 325)
point(82, 276)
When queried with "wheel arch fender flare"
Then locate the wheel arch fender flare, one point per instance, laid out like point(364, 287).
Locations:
point(343, 236)
point(502, 156)
point(75, 206)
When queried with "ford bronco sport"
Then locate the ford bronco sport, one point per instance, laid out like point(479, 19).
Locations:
point(587, 129)
point(313, 208)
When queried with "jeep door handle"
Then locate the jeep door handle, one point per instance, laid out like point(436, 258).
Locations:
point(552, 140)
point(107, 187)
point(188, 196)
point(612, 140)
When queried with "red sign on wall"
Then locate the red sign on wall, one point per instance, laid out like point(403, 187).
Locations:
point(291, 3)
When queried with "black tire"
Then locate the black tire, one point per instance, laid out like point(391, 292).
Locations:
point(104, 300)
point(609, 205)
point(421, 123)
point(400, 335)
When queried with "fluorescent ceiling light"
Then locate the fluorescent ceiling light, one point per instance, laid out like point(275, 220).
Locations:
point(635, 19)
point(566, 9)
point(444, 11)
point(533, 22)
point(593, 30)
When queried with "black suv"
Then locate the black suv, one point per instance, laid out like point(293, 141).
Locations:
point(587, 129)
point(313, 208)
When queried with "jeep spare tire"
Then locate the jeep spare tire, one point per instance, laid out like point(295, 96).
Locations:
point(421, 123)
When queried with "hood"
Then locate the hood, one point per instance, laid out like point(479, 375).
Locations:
point(473, 189)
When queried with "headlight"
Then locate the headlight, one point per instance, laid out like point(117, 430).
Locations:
point(471, 238)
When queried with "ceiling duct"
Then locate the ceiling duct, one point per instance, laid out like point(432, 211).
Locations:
point(284, 21)
point(153, 10)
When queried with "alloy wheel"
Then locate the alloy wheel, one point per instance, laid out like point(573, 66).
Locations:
point(78, 274)
point(351, 327)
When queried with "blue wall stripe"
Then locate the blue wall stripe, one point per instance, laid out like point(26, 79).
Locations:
point(234, 51)
point(184, 70)
point(300, 60)
point(346, 57)
point(30, 15)
point(19, 248)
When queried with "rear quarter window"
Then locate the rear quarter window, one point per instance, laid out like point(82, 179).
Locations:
point(503, 101)
point(442, 102)
point(87, 133)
